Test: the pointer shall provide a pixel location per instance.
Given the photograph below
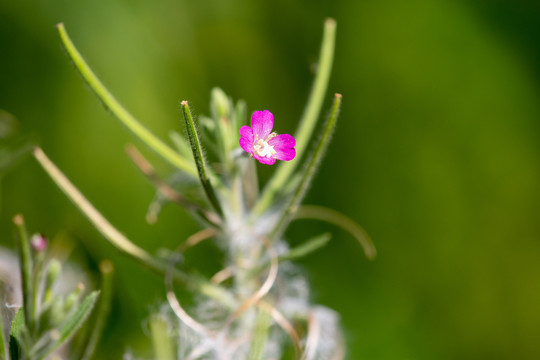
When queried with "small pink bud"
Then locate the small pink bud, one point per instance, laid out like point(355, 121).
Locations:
point(39, 242)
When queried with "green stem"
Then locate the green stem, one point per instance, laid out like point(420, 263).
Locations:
point(310, 169)
point(162, 341)
point(260, 336)
point(106, 268)
point(4, 353)
point(117, 239)
point(26, 266)
point(308, 120)
point(199, 158)
point(119, 111)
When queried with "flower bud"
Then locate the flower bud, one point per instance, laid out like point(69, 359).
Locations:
point(39, 242)
point(219, 103)
point(53, 271)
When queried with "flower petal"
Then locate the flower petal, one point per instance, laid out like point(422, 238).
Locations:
point(282, 141)
point(284, 146)
point(264, 160)
point(246, 139)
point(285, 154)
point(262, 123)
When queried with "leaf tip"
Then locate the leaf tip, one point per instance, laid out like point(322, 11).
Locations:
point(106, 267)
point(18, 220)
point(330, 22)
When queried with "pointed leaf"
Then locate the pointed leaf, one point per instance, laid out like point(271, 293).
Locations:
point(311, 245)
point(16, 335)
point(260, 336)
point(104, 306)
point(26, 268)
point(199, 158)
point(119, 111)
point(309, 170)
point(4, 345)
point(308, 120)
point(302, 250)
point(73, 324)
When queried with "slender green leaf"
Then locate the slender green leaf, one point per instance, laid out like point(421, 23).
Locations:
point(334, 217)
point(4, 345)
point(69, 328)
point(302, 250)
point(260, 336)
point(18, 328)
point(308, 120)
point(311, 245)
point(310, 169)
point(104, 306)
point(117, 239)
point(26, 268)
point(119, 111)
point(199, 158)
point(162, 341)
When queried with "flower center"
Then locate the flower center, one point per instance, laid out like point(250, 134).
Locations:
point(261, 146)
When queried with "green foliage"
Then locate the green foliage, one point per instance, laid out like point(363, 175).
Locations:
point(436, 151)
point(17, 335)
point(45, 321)
point(231, 191)
point(70, 326)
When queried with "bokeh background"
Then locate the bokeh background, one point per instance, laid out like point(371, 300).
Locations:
point(436, 153)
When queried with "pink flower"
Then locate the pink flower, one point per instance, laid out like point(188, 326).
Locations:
point(263, 144)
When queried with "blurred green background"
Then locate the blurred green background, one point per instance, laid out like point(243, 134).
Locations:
point(436, 153)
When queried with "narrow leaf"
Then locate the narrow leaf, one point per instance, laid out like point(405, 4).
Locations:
point(104, 306)
point(26, 267)
point(306, 248)
point(311, 245)
point(4, 345)
point(116, 238)
point(310, 169)
point(309, 117)
point(69, 328)
point(162, 341)
point(334, 217)
point(199, 158)
point(119, 111)
point(16, 335)
point(260, 336)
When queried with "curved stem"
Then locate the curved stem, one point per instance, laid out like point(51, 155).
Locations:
point(125, 117)
point(308, 120)
point(116, 238)
point(310, 169)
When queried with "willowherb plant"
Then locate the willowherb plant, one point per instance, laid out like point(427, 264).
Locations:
point(257, 306)
point(46, 320)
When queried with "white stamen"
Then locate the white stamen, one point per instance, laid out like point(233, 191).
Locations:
point(261, 147)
